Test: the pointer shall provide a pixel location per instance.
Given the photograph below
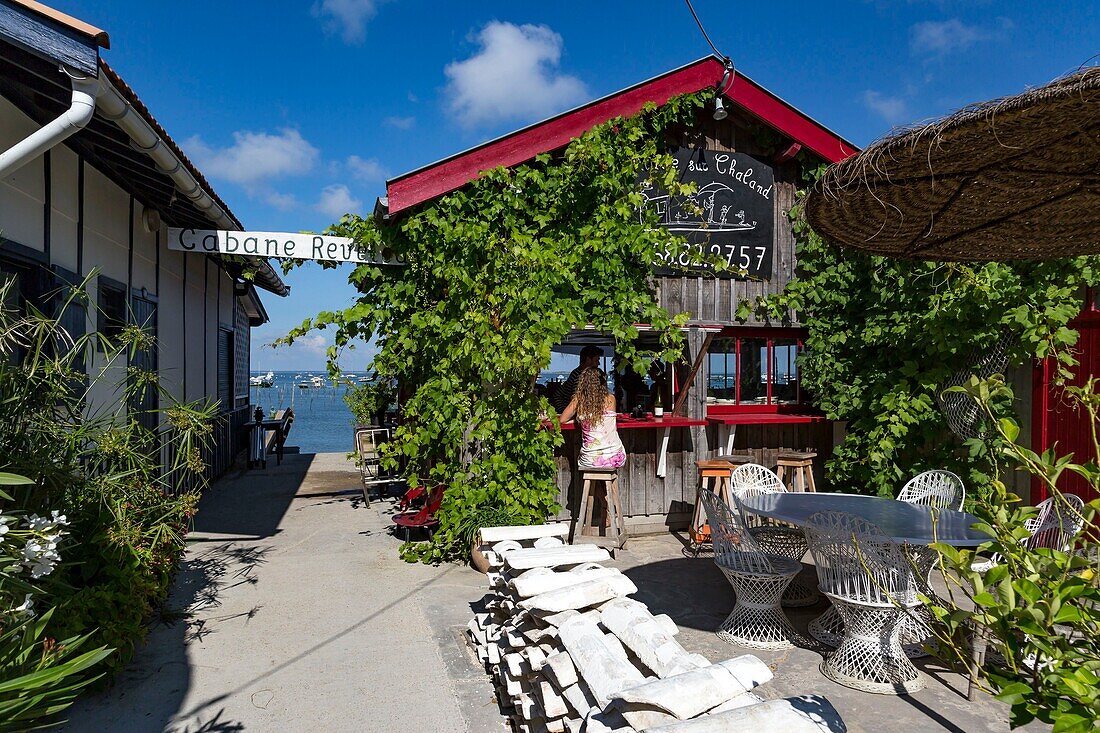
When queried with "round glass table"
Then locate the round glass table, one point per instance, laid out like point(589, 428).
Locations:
point(909, 524)
point(912, 525)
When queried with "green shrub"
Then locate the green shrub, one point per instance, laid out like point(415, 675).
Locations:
point(369, 401)
point(886, 334)
point(1039, 609)
point(39, 676)
point(498, 273)
point(100, 466)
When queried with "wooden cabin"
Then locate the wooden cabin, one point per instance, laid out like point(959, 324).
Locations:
point(737, 386)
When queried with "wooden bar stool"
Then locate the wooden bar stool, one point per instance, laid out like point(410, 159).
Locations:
point(801, 464)
point(600, 490)
point(714, 475)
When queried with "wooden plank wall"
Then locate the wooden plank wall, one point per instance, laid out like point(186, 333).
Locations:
point(655, 502)
point(651, 503)
point(715, 300)
point(646, 498)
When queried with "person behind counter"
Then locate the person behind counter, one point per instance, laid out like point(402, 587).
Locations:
point(590, 359)
point(594, 408)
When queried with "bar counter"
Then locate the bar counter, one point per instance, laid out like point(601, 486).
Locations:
point(626, 422)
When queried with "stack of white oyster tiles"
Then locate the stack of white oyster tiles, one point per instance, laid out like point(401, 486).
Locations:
point(568, 650)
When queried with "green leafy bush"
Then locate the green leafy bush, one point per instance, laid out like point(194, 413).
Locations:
point(369, 401)
point(496, 274)
point(886, 334)
point(100, 466)
point(1039, 609)
point(39, 676)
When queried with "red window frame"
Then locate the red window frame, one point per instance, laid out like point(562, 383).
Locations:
point(770, 335)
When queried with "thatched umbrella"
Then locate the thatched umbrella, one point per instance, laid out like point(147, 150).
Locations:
point(1012, 178)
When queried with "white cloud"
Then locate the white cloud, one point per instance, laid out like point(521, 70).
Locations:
point(366, 169)
point(514, 74)
point(281, 201)
point(312, 343)
point(401, 123)
point(892, 109)
point(939, 38)
point(336, 200)
point(347, 17)
point(255, 157)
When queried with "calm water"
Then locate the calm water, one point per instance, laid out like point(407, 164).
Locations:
point(322, 420)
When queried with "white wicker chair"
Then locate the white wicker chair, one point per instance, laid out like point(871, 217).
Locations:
point(939, 489)
point(752, 479)
point(1056, 526)
point(758, 579)
point(872, 584)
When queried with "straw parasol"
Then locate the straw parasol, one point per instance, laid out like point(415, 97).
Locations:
point(1012, 178)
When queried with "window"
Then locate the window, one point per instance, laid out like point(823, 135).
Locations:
point(112, 309)
point(754, 371)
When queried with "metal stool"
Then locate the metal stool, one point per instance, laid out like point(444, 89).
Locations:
point(600, 485)
point(801, 464)
point(715, 476)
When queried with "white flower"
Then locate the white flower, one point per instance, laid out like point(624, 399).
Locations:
point(59, 518)
point(36, 523)
point(26, 607)
point(32, 550)
point(41, 567)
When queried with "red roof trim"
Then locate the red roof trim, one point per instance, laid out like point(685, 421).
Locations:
point(451, 173)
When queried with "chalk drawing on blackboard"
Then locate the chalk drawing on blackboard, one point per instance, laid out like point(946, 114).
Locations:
point(712, 200)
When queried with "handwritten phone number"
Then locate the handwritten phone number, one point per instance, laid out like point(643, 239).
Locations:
point(735, 256)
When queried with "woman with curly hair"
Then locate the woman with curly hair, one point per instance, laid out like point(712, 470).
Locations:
point(594, 408)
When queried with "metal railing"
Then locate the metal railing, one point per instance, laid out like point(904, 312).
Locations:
point(227, 440)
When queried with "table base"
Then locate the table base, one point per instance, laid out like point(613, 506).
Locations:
point(828, 628)
point(869, 657)
point(916, 632)
point(802, 592)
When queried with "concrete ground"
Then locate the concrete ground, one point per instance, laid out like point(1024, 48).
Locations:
point(299, 616)
point(293, 612)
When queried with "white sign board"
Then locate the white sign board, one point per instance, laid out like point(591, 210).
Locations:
point(280, 245)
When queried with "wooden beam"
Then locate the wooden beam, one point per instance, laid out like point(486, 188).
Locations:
point(681, 398)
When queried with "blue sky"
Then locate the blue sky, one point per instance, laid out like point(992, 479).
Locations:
point(298, 111)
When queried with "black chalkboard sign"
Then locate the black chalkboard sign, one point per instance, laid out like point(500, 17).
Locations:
point(732, 216)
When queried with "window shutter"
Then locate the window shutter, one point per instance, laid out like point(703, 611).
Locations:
point(225, 369)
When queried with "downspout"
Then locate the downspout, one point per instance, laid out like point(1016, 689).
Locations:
point(71, 121)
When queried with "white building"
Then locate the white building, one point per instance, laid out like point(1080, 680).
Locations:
point(89, 179)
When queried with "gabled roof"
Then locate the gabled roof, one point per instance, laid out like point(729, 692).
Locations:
point(444, 176)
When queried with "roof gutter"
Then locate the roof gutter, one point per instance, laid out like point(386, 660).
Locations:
point(144, 138)
point(115, 107)
point(80, 112)
point(92, 92)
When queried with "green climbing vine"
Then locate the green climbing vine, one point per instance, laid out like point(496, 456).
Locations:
point(497, 273)
point(885, 334)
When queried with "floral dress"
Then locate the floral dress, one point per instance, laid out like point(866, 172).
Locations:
point(601, 446)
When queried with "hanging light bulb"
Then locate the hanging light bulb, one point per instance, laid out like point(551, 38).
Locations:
point(720, 112)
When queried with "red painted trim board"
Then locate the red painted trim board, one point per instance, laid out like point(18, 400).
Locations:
point(435, 180)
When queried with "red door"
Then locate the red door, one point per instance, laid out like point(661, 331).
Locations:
point(1055, 419)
